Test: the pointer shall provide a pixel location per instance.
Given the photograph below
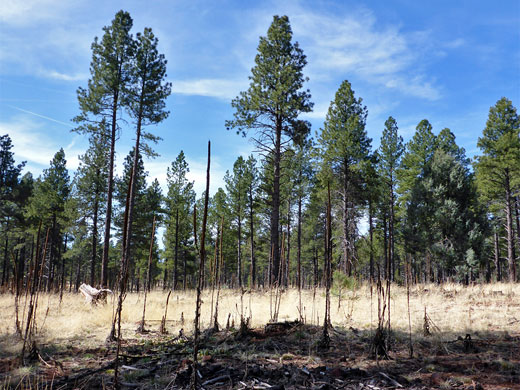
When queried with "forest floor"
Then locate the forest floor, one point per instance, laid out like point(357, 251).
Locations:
point(288, 355)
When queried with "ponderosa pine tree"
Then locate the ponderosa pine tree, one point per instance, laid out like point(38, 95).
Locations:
point(303, 181)
point(498, 168)
point(48, 205)
point(271, 106)
point(251, 183)
point(236, 187)
point(139, 238)
point(390, 152)
point(90, 189)
point(146, 105)
point(179, 205)
point(344, 147)
point(105, 95)
point(9, 179)
point(415, 167)
point(152, 207)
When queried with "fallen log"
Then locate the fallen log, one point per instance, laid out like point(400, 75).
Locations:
point(93, 295)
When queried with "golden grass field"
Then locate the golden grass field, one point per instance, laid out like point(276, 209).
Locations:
point(454, 309)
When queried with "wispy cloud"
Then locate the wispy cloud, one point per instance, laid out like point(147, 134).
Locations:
point(32, 143)
point(218, 88)
point(43, 117)
point(64, 76)
point(356, 44)
point(15, 12)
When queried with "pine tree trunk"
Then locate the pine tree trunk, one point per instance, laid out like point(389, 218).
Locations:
point(251, 223)
point(94, 235)
point(288, 268)
point(133, 181)
point(391, 234)
point(176, 252)
point(510, 232)
point(497, 256)
point(299, 242)
point(6, 254)
point(371, 235)
point(517, 215)
point(110, 190)
point(385, 243)
point(239, 246)
point(345, 220)
point(275, 212)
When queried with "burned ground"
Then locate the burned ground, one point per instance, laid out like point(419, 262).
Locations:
point(287, 356)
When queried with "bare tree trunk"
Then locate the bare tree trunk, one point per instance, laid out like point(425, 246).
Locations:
point(239, 242)
point(345, 221)
point(176, 253)
point(94, 236)
point(275, 212)
point(110, 190)
point(6, 254)
point(201, 274)
point(252, 234)
point(371, 235)
point(511, 258)
point(391, 233)
point(288, 270)
point(299, 243)
point(497, 256)
point(325, 341)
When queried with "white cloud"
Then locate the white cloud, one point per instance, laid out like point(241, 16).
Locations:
point(16, 12)
point(63, 76)
point(357, 44)
point(157, 170)
point(218, 88)
point(319, 111)
point(32, 143)
point(415, 86)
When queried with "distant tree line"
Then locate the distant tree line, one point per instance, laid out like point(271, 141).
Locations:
point(421, 207)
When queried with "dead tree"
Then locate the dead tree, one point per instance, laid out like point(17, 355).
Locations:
point(201, 273)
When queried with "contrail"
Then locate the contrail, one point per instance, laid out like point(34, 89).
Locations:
point(41, 116)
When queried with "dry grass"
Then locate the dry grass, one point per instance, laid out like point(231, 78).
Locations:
point(454, 309)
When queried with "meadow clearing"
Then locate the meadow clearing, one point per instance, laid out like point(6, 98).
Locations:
point(486, 312)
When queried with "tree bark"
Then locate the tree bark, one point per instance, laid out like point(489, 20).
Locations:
point(94, 233)
point(288, 267)
point(239, 239)
point(509, 231)
point(345, 220)
point(6, 254)
point(275, 212)
point(176, 252)
point(391, 234)
point(497, 256)
point(251, 223)
point(299, 242)
point(110, 189)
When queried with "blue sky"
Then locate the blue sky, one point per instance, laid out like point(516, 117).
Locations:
point(446, 61)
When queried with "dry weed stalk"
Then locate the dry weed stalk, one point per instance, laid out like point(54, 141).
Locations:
point(163, 320)
point(30, 325)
